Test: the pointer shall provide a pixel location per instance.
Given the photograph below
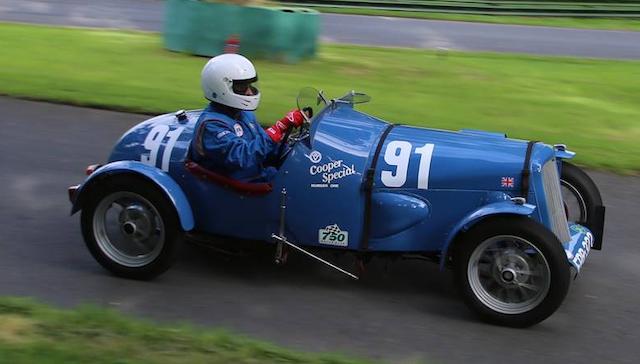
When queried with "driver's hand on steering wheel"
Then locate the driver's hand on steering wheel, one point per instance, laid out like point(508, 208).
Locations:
point(294, 118)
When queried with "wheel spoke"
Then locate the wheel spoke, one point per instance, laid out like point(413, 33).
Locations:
point(491, 285)
point(530, 287)
point(497, 260)
point(502, 294)
point(144, 245)
point(485, 268)
point(529, 273)
point(524, 294)
point(511, 295)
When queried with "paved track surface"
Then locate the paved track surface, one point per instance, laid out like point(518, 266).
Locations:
point(405, 312)
point(148, 15)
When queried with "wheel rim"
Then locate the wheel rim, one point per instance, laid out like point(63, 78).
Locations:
point(128, 229)
point(508, 274)
point(575, 205)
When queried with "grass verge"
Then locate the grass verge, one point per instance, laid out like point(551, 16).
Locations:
point(630, 24)
point(593, 106)
point(34, 333)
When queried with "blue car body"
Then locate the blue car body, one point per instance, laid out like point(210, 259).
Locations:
point(358, 183)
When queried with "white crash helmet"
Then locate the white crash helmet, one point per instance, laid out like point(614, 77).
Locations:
point(225, 80)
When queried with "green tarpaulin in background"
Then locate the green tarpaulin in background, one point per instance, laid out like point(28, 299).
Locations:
point(202, 28)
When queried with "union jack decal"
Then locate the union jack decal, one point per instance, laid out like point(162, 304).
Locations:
point(507, 182)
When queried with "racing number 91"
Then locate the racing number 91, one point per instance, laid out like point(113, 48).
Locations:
point(152, 144)
point(398, 154)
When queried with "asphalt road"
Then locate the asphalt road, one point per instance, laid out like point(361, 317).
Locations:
point(408, 311)
point(148, 15)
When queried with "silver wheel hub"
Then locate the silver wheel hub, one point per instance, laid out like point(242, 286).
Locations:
point(508, 274)
point(136, 221)
point(510, 267)
point(128, 229)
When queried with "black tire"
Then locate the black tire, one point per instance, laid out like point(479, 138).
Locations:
point(521, 245)
point(144, 211)
point(581, 196)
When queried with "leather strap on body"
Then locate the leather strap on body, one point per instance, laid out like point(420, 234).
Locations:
point(526, 169)
point(368, 189)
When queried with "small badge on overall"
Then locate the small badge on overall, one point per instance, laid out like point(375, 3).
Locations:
point(238, 130)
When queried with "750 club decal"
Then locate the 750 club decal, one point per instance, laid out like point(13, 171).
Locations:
point(398, 154)
point(332, 235)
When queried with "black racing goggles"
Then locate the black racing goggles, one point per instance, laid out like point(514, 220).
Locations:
point(242, 87)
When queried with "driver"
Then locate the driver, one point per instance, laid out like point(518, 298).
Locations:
point(228, 138)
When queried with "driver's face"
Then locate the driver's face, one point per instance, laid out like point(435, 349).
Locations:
point(245, 87)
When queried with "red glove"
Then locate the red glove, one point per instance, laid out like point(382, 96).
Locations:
point(275, 133)
point(279, 129)
point(293, 118)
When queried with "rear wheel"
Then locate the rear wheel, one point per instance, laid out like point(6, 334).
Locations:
point(130, 227)
point(511, 271)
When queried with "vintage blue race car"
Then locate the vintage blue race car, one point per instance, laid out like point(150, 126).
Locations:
point(512, 218)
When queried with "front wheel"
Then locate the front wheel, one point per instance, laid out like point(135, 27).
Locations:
point(130, 227)
point(580, 195)
point(511, 271)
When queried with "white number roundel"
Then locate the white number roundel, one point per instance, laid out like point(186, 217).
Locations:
point(152, 144)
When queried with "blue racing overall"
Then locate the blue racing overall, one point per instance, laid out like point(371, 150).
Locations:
point(233, 146)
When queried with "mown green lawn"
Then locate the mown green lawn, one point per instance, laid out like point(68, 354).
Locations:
point(593, 106)
point(34, 333)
